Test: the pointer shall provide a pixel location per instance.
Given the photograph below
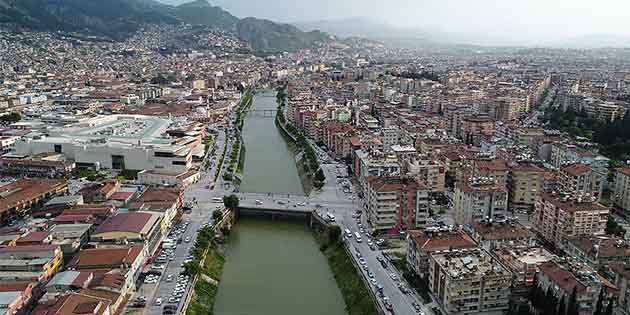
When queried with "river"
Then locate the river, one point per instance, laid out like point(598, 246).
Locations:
point(269, 159)
point(274, 267)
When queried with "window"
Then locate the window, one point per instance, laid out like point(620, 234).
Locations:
point(57, 148)
point(179, 162)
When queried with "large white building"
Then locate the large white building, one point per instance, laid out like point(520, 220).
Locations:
point(131, 142)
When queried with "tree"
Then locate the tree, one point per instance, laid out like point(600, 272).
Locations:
point(609, 307)
point(193, 267)
point(549, 304)
point(319, 176)
point(217, 215)
point(599, 307)
point(562, 306)
point(231, 201)
point(11, 118)
point(333, 234)
point(572, 307)
point(613, 228)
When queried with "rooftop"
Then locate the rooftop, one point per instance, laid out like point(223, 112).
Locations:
point(468, 263)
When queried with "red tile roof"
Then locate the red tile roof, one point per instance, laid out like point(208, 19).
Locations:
point(577, 169)
point(74, 304)
point(121, 195)
point(442, 241)
point(25, 190)
point(98, 258)
point(160, 194)
point(562, 277)
point(125, 222)
point(33, 237)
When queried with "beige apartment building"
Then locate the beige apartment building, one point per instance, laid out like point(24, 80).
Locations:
point(525, 184)
point(494, 169)
point(469, 281)
point(560, 217)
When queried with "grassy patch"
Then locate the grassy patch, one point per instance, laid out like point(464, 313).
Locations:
point(203, 302)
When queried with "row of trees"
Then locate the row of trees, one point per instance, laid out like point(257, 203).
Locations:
point(204, 242)
point(613, 137)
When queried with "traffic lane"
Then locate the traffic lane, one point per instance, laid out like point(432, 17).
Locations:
point(402, 303)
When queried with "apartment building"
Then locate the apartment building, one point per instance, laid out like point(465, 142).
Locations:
point(370, 163)
point(469, 281)
point(431, 172)
point(560, 217)
point(524, 262)
point(476, 128)
point(599, 250)
point(621, 271)
point(454, 115)
point(562, 277)
point(421, 244)
point(396, 204)
point(583, 179)
point(525, 184)
point(478, 200)
point(494, 235)
point(621, 190)
point(604, 110)
point(390, 136)
point(493, 169)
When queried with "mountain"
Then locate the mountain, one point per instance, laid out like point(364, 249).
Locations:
point(112, 18)
point(202, 13)
point(118, 19)
point(266, 35)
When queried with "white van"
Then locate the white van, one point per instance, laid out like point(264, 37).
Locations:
point(357, 236)
point(348, 233)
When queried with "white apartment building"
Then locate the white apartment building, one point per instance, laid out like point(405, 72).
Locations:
point(480, 200)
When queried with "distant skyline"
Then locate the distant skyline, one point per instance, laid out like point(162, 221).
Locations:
point(529, 22)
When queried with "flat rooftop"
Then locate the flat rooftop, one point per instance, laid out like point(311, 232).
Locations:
point(469, 263)
point(117, 128)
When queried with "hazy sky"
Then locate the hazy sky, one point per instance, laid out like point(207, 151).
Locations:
point(527, 21)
